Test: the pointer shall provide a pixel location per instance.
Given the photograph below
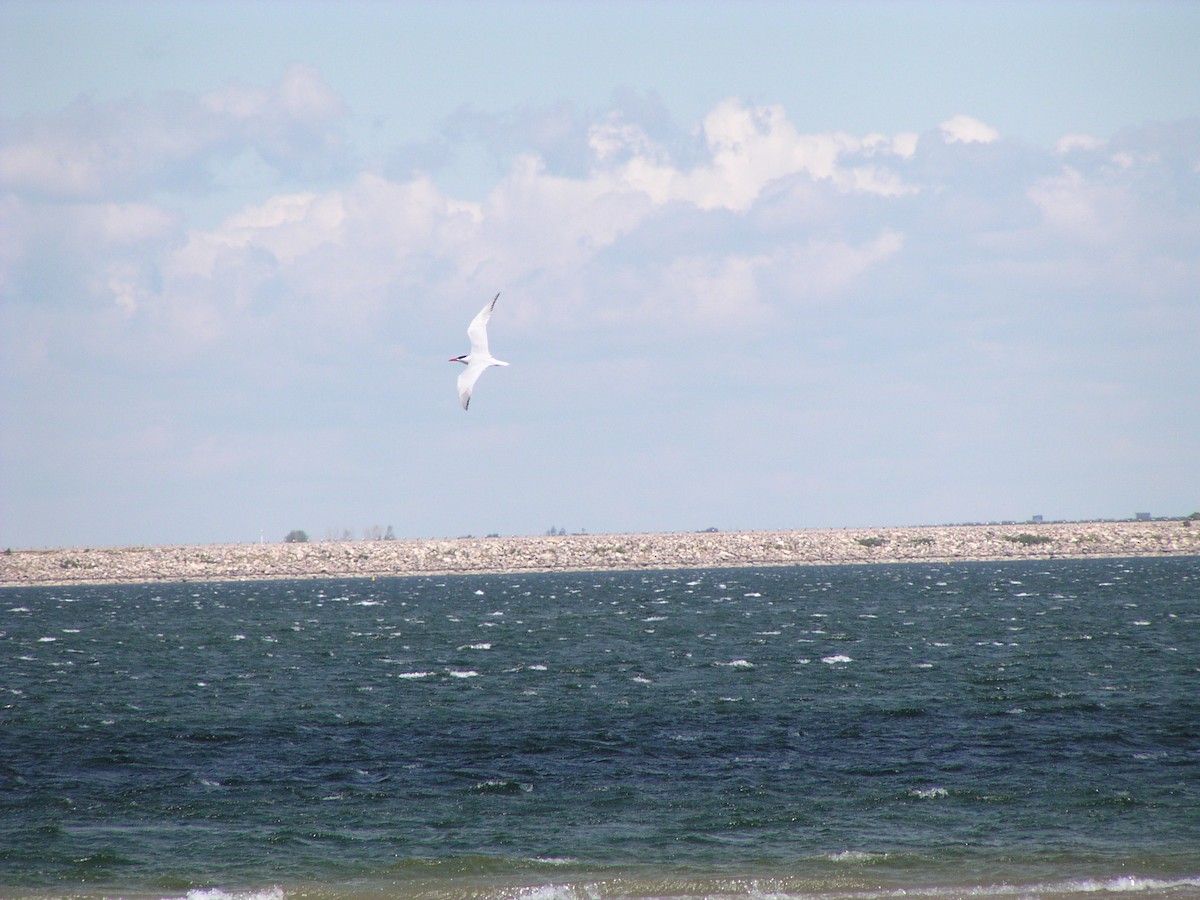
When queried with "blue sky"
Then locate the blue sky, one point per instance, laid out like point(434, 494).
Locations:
point(762, 265)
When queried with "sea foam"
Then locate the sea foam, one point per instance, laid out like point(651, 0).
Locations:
point(272, 893)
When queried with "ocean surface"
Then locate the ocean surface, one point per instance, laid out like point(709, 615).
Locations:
point(1021, 729)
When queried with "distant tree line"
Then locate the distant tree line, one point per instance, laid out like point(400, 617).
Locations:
point(371, 533)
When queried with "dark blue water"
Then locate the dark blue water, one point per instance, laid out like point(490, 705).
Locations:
point(1010, 729)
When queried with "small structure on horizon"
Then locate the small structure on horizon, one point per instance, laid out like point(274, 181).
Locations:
point(1036, 520)
point(1142, 517)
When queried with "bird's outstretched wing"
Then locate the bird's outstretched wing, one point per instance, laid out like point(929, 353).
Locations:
point(477, 332)
point(466, 381)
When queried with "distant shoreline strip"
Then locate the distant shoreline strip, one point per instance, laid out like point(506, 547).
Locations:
point(600, 552)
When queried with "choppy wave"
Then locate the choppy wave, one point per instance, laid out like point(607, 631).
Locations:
point(748, 887)
point(272, 893)
point(877, 732)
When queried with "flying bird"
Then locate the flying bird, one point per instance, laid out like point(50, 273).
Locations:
point(480, 357)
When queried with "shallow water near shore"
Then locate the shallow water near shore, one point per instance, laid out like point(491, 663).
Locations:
point(974, 729)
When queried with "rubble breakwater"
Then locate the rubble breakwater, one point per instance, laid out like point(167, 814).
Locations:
point(358, 559)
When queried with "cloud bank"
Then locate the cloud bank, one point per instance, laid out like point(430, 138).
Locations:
point(739, 257)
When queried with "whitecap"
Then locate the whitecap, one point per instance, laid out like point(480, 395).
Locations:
point(503, 786)
point(930, 793)
point(476, 647)
point(834, 660)
point(855, 856)
point(414, 675)
point(737, 664)
point(548, 892)
point(460, 673)
point(1131, 884)
point(272, 893)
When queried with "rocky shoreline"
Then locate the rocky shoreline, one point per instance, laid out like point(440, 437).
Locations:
point(359, 559)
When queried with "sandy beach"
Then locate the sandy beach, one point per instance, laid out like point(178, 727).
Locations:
point(358, 559)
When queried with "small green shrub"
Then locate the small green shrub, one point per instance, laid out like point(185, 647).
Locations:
point(1027, 539)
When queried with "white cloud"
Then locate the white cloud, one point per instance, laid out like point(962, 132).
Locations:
point(888, 275)
point(126, 282)
point(614, 140)
point(49, 164)
point(766, 222)
point(966, 130)
point(831, 267)
point(1073, 207)
point(351, 249)
point(903, 145)
point(719, 292)
point(733, 291)
point(1069, 143)
point(748, 148)
point(286, 226)
point(300, 95)
point(134, 223)
point(102, 151)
